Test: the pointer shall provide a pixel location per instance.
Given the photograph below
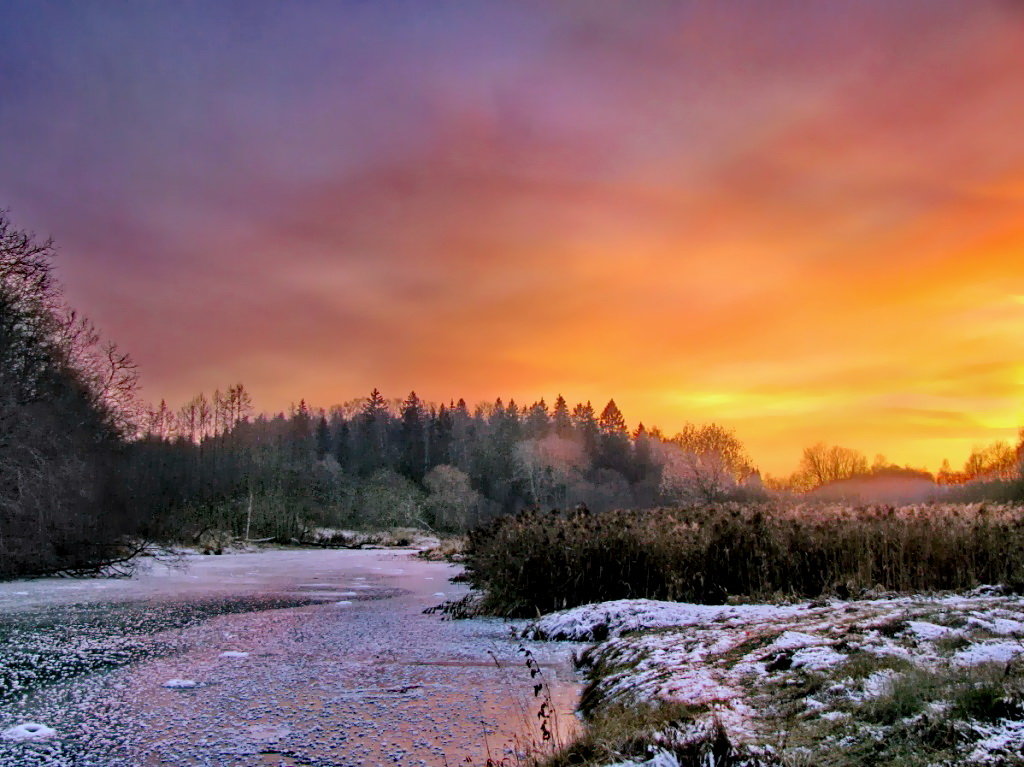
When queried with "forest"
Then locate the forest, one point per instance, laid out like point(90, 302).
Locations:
point(89, 473)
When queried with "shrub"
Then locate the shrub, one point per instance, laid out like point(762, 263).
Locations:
point(541, 561)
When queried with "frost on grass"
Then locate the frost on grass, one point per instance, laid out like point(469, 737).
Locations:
point(915, 680)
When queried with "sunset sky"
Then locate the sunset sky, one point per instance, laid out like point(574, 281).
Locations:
point(804, 220)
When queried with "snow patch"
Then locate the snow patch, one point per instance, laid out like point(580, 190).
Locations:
point(817, 658)
point(661, 759)
point(929, 632)
point(999, 742)
point(29, 731)
point(795, 640)
point(616, 618)
point(988, 652)
point(181, 684)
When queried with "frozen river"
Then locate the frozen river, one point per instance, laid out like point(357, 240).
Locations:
point(273, 658)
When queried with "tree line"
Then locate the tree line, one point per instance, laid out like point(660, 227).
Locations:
point(447, 467)
point(377, 462)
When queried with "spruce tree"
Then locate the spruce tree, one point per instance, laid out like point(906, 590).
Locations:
point(561, 421)
point(413, 438)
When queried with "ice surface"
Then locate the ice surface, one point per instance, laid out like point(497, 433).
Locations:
point(325, 685)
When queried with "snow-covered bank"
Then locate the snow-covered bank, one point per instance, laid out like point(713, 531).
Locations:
point(819, 676)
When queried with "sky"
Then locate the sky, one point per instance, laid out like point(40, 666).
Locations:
point(803, 220)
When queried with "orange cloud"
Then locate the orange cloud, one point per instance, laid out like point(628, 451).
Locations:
point(806, 222)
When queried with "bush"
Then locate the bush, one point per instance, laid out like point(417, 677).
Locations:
point(543, 561)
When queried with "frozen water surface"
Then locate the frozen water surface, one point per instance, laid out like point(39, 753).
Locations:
point(376, 683)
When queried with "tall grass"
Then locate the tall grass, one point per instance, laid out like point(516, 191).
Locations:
point(541, 561)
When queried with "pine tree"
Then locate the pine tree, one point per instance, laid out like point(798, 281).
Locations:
point(613, 442)
point(611, 420)
point(537, 420)
point(586, 427)
point(372, 448)
point(642, 464)
point(413, 438)
point(443, 432)
point(342, 435)
point(561, 421)
point(323, 439)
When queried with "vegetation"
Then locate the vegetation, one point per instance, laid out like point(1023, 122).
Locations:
point(542, 561)
point(65, 406)
point(830, 684)
point(619, 731)
point(372, 464)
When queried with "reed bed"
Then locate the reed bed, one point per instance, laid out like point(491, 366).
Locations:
point(536, 562)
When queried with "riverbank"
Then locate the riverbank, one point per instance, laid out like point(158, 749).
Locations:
point(921, 680)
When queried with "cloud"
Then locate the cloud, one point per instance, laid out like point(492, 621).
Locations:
point(801, 220)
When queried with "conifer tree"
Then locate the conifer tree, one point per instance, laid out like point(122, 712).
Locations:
point(561, 421)
point(413, 438)
point(537, 420)
point(585, 423)
point(323, 439)
point(443, 427)
point(372, 434)
point(613, 443)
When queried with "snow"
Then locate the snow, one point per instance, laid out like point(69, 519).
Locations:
point(661, 758)
point(624, 615)
point(928, 631)
point(29, 731)
point(181, 684)
point(234, 654)
point(817, 658)
point(795, 640)
point(877, 684)
point(988, 652)
point(998, 626)
point(725, 659)
point(999, 741)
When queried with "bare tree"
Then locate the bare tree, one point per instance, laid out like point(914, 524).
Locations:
point(822, 464)
point(703, 462)
point(60, 420)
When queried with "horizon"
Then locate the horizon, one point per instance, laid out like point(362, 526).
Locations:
point(394, 403)
point(802, 223)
